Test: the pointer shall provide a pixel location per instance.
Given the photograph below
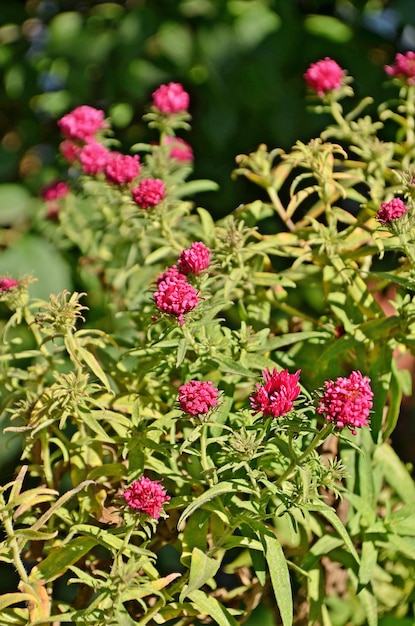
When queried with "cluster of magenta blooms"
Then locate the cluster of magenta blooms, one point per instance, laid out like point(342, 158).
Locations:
point(346, 401)
point(82, 148)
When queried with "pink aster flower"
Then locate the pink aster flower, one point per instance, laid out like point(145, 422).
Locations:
point(94, 158)
point(195, 259)
point(172, 274)
point(392, 210)
point(171, 98)
point(403, 68)
point(276, 397)
point(53, 191)
point(146, 496)
point(122, 168)
point(70, 150)
point(179, 149)
point(149, 192)
point(82, 123)
point(347, 401)
point(8, 283)
point(197, 397)
point(176, 297)
point(324, 76)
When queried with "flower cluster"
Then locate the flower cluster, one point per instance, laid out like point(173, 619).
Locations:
point(56, 189)
point(404, 67)
point(93, 157)
point(146, 496)
point(121, 169)
point(347, 401)
point(392, 210)
point(171, 98)
point(198, 397)
point(179, 149)
point(7, 283)
point(149, 192)
point(195, 259)
point(175, 295)
point(324, 76)
point(276, 397)
point(82, 123)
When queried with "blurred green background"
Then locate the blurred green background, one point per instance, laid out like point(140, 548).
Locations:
point(241, 60)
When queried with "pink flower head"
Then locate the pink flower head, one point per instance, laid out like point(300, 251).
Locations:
point(347, 401)
point(70, 150)
point(149, 192)
point(277, 396)
point(53, 191)
point(171, 98)
point(324, 76)
point(94, 158)
point(146, 496)
point(197, 397)
point(179, 149)
point(172, 274)
point(404, 67)
point(82, 123)
point(7, 283)
point(195, 259)
point(392, 210)
point(176, 297)
point(122, 168)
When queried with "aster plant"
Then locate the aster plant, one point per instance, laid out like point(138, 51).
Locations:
point(222, 441)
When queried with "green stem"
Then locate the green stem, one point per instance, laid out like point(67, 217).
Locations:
point(322, 434)
point(204, 459)
point(280, 209)
point(8, 527)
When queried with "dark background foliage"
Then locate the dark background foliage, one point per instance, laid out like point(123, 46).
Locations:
point(241, 60)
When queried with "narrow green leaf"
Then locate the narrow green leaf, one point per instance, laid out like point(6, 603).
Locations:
point(208, 224)
point(28, 534)
point(208, 605)
point(216, 491)
point(394, 405)
point(331, 516)
point(195, 186)
point(395, 473)
point(369, 555)
point(7, 599)
point(259, 565)
point(58, 561)
point(280, 576)
point(93, 364)
point(60, 502)
point(202, 569)
point(229, 366)
point(181, 351)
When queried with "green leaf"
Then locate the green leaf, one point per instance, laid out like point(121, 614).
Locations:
point(195, 535)
point(202, 569)
point(93, 364)
point(278, 570)
point(368, 562)
point(7, 599)
point(216, 491)
point(259, 565)
point(395, 472)
point(233, 367)
point(195, 186)
point(208, 605)
point(27, 534)
point(58, 561)
point(331, 516)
